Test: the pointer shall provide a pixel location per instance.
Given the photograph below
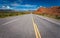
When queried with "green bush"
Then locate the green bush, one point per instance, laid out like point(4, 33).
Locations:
point(57, 17)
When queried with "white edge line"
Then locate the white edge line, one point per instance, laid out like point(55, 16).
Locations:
point(10, 21)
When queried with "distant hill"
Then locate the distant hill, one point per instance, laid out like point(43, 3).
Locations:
point(55, 10)
point(7, 10)
point(10, 12)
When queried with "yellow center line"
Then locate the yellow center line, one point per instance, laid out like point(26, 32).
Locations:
point(36, 29)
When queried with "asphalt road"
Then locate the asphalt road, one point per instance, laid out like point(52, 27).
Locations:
point(23, 27)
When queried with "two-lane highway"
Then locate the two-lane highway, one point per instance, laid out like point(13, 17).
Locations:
point(28, 26)
point(19, 27)
point(46, 28)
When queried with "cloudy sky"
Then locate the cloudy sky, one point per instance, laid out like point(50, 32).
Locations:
point(27, 4)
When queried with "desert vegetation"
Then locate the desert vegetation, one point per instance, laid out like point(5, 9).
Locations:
point(6, 13)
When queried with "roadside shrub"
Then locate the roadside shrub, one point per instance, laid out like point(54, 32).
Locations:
point(57, 17)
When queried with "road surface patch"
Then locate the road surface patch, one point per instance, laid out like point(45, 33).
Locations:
point(10, 22)
point(36, 29)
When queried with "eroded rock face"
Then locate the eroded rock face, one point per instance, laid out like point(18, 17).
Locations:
point(51, 11)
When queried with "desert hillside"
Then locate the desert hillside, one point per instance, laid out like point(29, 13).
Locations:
point(51, 11)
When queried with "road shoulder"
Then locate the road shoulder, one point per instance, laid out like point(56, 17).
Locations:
point(50, 19)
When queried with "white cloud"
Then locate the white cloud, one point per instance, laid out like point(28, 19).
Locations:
point(8, 7)
point(15, 4)
point(29, 5)
point(41, 6)
point(5, 7)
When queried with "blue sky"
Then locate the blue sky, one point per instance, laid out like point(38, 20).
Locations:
point(27, 4)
